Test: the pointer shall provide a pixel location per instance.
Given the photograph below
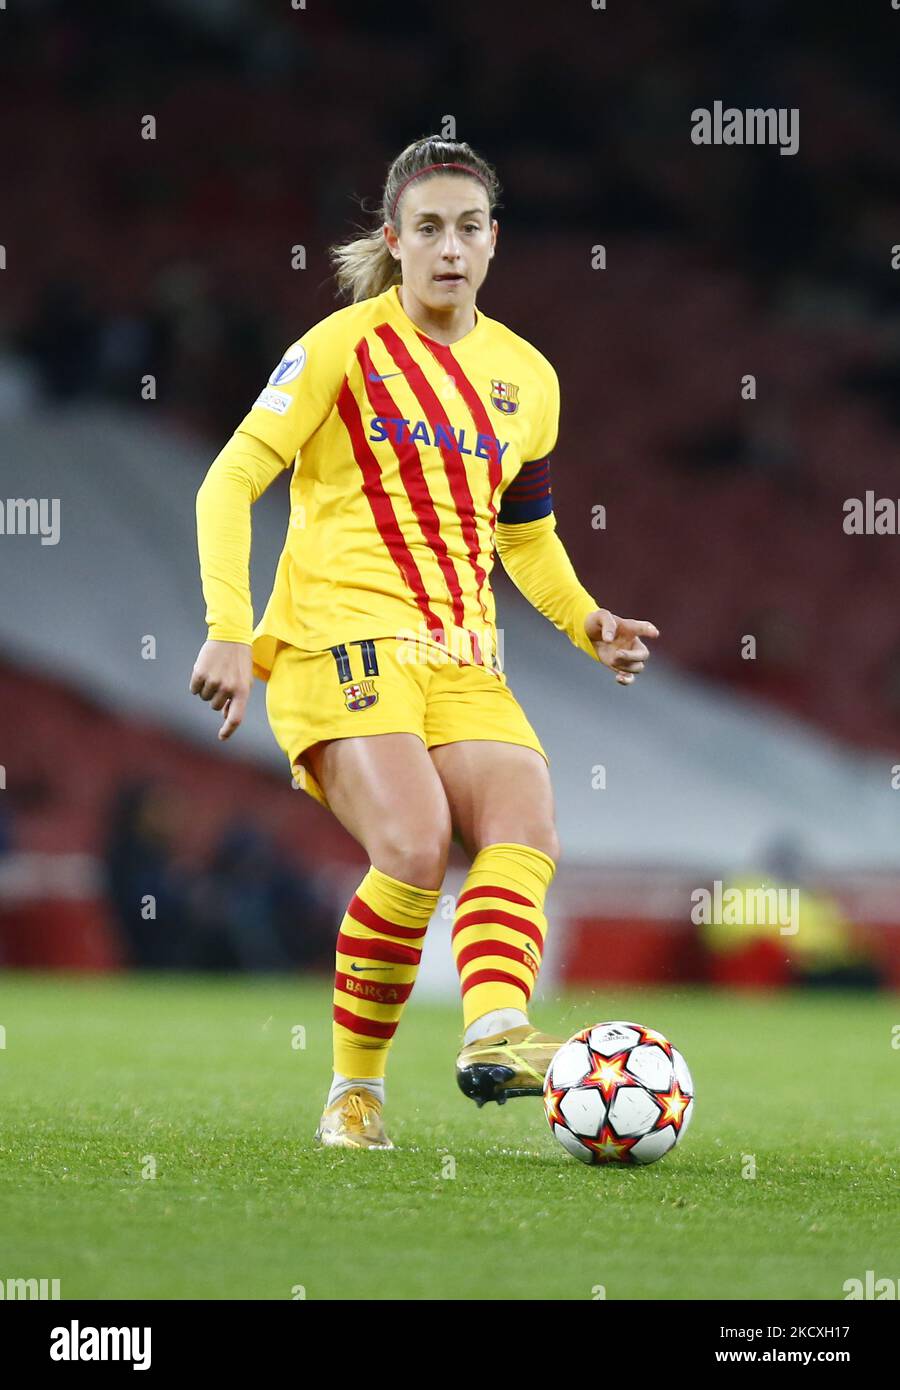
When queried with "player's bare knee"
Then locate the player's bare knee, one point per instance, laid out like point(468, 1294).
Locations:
point(544, 839)
point(540, 837)
point(419, 859)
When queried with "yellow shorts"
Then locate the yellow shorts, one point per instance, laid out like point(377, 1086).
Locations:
point(368, 688)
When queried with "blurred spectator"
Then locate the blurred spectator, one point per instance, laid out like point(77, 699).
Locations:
point(179, 252)
point(778, 926)
point(892, 681)
point(259, 913)
point(149, 893)
point(19, 386)
point(63, 339)
point(6, 828)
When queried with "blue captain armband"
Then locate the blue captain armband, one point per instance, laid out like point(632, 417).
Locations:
point(528, 496)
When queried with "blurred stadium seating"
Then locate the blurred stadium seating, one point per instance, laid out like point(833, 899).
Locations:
point(723, 516)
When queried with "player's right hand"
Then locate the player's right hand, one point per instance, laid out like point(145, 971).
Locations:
point(222, 674)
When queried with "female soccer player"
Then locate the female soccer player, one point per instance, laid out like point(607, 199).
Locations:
point(419, 431)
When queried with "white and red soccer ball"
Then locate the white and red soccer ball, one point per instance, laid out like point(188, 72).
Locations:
point(618, 1093)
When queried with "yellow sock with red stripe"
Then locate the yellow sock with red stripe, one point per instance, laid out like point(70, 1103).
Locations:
point(499, 928)
point(379, 947)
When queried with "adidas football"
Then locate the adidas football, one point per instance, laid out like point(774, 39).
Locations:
point(618, 1093)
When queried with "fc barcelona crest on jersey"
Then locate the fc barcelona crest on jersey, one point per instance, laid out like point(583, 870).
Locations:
point(360, 695)
point(504, 396)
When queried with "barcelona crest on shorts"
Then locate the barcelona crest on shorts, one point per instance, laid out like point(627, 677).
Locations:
point(360, 695)
point(504, 396)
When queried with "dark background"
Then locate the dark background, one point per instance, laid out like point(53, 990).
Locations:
point(275, 128)
point(273, 124)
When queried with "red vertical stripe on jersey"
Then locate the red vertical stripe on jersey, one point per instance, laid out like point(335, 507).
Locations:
point(413, 479)
point(479, 415)
point(382, 508)
point(454, 466)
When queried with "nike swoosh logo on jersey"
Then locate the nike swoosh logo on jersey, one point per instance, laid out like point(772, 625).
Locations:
point(373, 376)
point(354, 966)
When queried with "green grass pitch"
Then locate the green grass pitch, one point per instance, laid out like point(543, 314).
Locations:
point(102, 1078)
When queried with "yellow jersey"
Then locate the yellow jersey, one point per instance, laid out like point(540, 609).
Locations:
point(413, 463)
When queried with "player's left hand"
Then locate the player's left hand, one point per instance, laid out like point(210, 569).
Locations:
point(617, 642)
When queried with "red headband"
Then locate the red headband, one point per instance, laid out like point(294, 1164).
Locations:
point(474, 173)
